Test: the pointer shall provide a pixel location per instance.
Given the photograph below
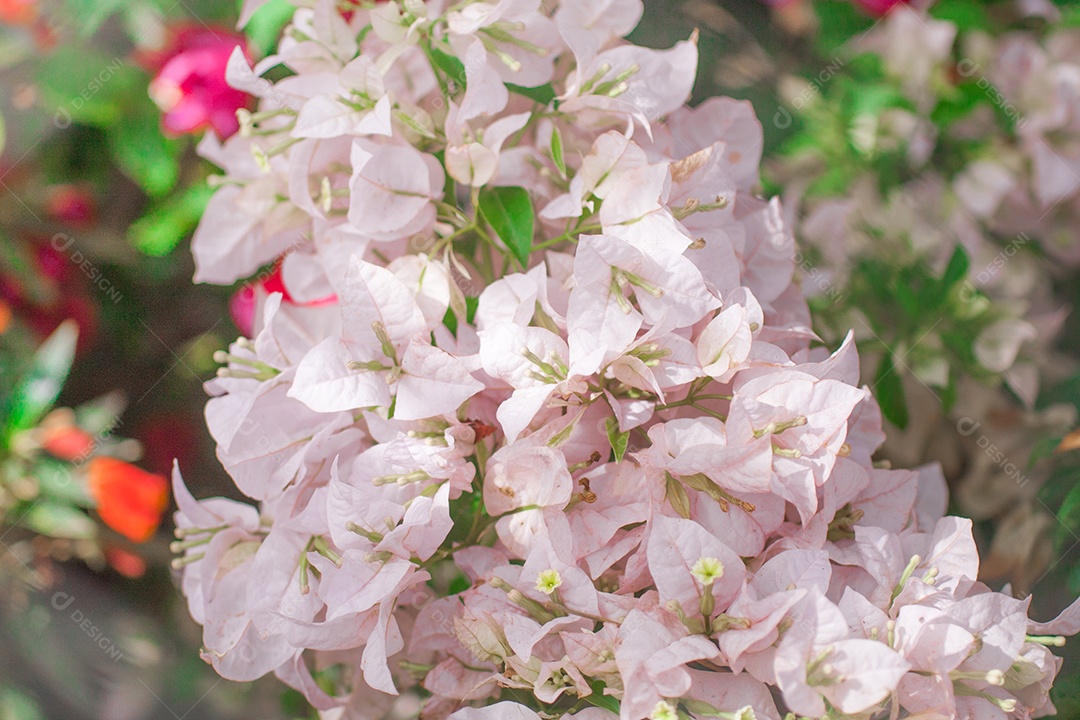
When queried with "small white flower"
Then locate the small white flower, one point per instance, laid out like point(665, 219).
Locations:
point(664, 711)
point(707, 570)
point(548, 581)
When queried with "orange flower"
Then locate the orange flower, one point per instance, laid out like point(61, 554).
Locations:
point(129, 500)
point(17, 12)
point(5, 316)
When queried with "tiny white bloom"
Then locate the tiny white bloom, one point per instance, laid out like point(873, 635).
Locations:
point(664, 711)
point(548, 581)
point(707, 570)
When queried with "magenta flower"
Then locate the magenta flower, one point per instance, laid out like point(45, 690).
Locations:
point(190, 86)
point(878, 8)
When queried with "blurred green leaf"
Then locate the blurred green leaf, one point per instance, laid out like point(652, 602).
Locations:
point(874, 99)
point(17, 263)
point(839, 22)
point(37, 392)
point(142, 152)
point(965, 98)
point(59, 521)
point(159, 231)
point(968, 14)
point(88, 86)
point(1043, 448)
point(957, 268)
point(57, 482)
point(101, 414)
point(16, 706)
point(459, 584)
point(1069, 512)
point(889, 390)
point(88, 15)
point(509, 212)
point(264, 28)
point(1070, 16)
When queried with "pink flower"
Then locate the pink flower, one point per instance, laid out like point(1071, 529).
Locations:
point(190, 86)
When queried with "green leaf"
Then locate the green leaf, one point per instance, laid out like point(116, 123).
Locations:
point(875, 99)
point(16, 706)
point(957, 269)
point(617, 439)
point(557, 151)
point(86, 86)
point(509, 212)
point(839, 22)
point(450, 65)
point(450, 321)
point(1069, 512)
point(936, 291)
point(599, 699)
point(1043, 448)
point(100, 415)
point(18, 264)
point(56, 481)
point(1070, 17)
point(965, 98)
point(142, 152)
point(38, 391)
point(90, 14)
point(909, 300)
point(60, 521)
point(459, 584)
point(542, 94)
point(968, 14)
point(265, 26)
point(948, 393)
point(889, 390)
point(1074, 588)
point(158, 232)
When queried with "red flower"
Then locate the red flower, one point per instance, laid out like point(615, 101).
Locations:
point(129, 500)
point(67, 442)
point(190, 85)
point(169, 435)
point(126, 563)
point(878, 8)
point(71, 204)
point(56, 292)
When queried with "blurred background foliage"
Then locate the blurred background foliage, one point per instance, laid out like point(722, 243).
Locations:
point(99, 191)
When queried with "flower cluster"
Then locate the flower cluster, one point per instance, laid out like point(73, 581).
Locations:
point(541, 427)
point(937, 220)
point(981, 126)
